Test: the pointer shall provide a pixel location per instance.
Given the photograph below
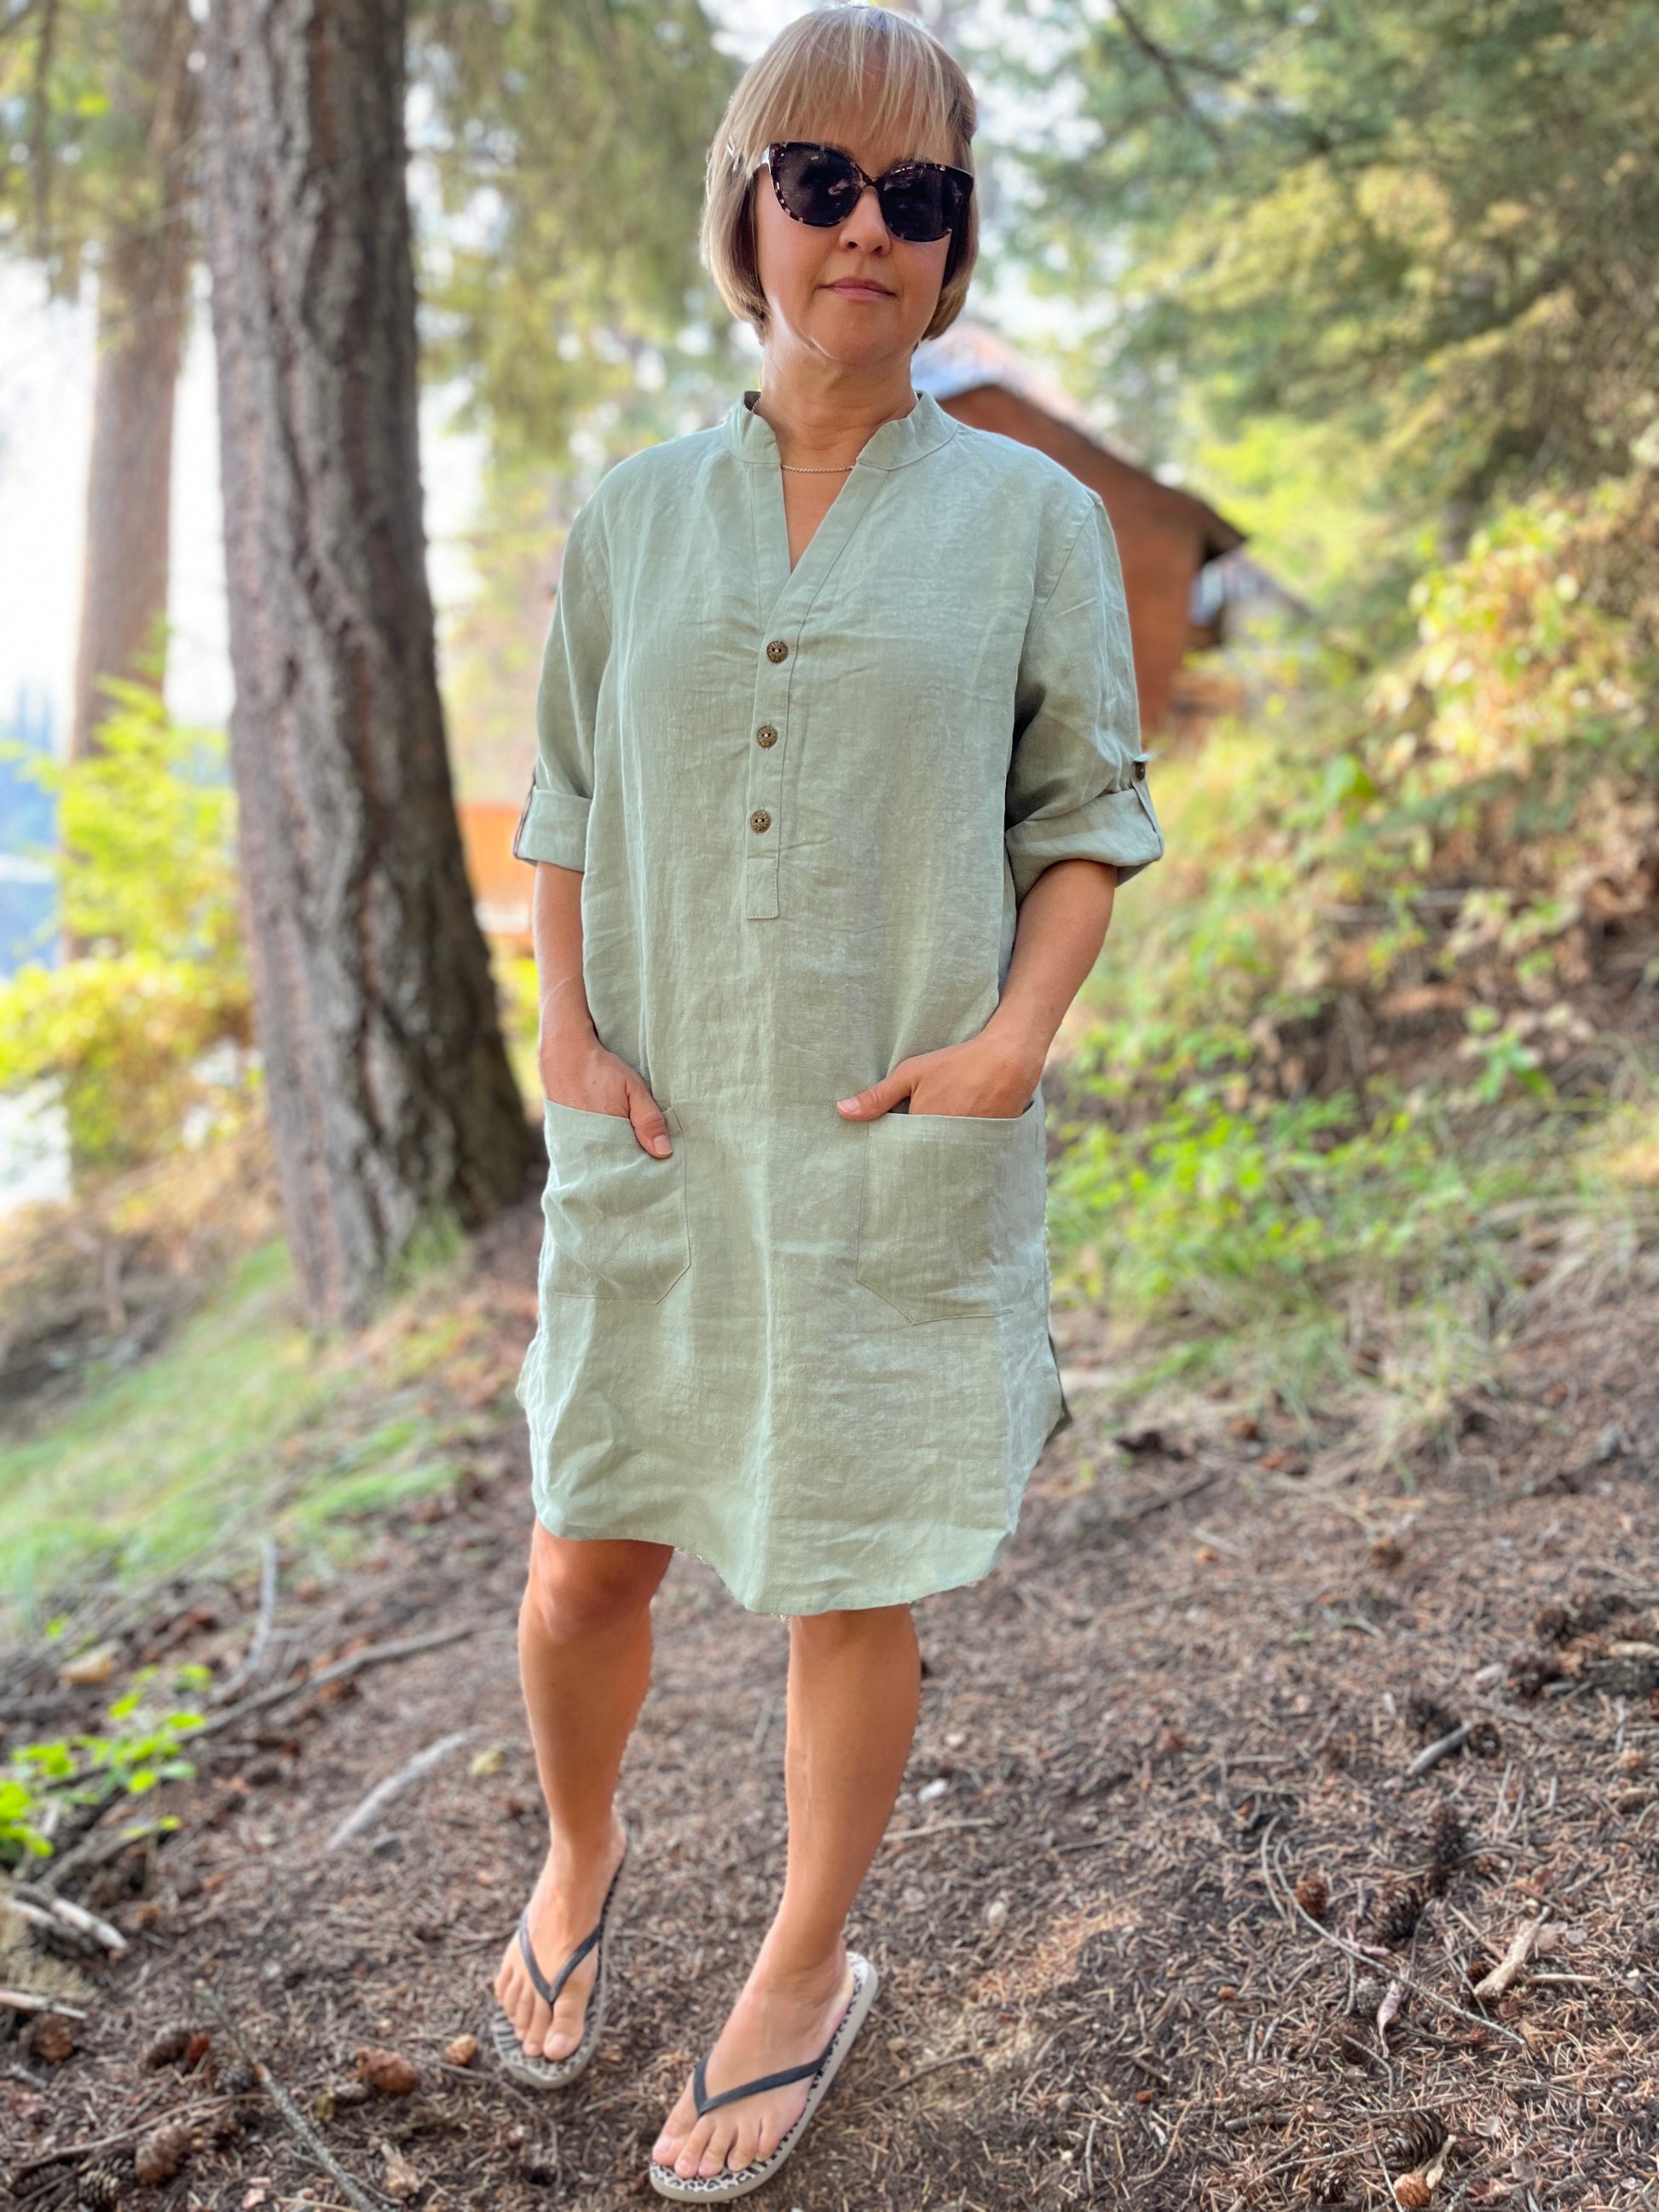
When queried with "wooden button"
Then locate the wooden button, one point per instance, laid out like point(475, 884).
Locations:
point(766, 736)
point(777, 650)
point(760, 819)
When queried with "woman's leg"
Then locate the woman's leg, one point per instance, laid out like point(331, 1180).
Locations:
point(854, 1681)
point(585, 1662)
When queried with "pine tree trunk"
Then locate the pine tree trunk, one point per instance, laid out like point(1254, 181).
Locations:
point(391, 1099)
point(144, 284)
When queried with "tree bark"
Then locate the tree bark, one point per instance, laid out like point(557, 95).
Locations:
point(144, 280)
point(391, 1099)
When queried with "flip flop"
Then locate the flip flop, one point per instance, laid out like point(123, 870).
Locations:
point(821, 2071)
point(503, 2038)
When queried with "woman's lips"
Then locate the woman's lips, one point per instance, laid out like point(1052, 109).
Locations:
point(858, 288)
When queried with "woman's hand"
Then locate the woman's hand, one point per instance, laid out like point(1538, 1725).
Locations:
point(578, 1071)
point(983, 1077)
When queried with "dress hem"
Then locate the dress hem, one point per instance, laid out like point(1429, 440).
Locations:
point(783, 1611)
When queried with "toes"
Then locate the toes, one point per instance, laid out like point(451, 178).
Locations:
point(714, 2157)
point(742, 2149)
point(693, 2155)
point(675, 2129)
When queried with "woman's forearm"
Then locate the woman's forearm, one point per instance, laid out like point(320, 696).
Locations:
point(1061, 927)
point(556, 925)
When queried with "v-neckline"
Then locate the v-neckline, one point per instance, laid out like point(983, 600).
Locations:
point(780, 590)
point(781, 586)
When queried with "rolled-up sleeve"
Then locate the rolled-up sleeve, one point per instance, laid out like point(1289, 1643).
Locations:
point(1077, 782)
point(553, 825)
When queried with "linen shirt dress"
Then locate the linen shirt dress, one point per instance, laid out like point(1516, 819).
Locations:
point(814, 1353)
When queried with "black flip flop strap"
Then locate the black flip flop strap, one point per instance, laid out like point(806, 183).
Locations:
point(705, 2103)
point(549, 1991)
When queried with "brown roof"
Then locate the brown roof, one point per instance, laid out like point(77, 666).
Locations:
point(971, 355)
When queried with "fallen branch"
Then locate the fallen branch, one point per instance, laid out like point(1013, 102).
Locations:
point(372, 1655)
point(385, 1792)
point(1419, 1989)
point(95, 1849)
point(1522, 1945)
point(365, 2199)
point(1148, 1506)
point(31, 2001)
point(934, 2066)
point(1441, 1747)
point(40, 1905)
point(939, 1828)
point(106, 2142)
point(269, 1565)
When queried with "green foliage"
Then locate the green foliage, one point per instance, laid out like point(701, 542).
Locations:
point(1455, 836)
point(143, 1746)
point(1221, 1211)
point(568, 142)
point(97, 125)
point(148, 883)
point(1434, 226)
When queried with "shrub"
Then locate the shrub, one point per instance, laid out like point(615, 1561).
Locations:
point(145, 1032)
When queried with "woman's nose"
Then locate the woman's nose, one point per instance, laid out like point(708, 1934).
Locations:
point(866, 225)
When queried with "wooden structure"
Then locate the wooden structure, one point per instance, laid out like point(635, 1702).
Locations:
point(1165, 535)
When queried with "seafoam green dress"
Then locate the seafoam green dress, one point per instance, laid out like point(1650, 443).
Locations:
point(814, 1353)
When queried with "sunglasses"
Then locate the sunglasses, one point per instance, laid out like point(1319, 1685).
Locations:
point(919, 201)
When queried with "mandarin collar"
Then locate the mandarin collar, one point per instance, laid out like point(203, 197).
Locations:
point(891, 445)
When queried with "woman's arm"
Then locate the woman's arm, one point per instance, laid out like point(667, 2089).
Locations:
point(576, 1068)
point(1061, 926)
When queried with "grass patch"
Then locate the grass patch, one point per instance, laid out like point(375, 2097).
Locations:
point(245, 1421)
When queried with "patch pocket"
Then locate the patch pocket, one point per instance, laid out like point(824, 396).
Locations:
point(950, 1212)
point(615, 1216)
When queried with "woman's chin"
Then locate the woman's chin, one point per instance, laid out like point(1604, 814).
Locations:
point(857, 332)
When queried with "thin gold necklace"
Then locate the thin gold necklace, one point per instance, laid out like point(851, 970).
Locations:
point(791, 469)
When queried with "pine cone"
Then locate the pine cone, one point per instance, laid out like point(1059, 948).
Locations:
point(1412, 2193)
point(1314, 1896)
point(100, 2187)
point(1398, 1909)
point(1529, 1671)
point(1416, 2140)
point(1448, 1845)
point(162, 2152)
point(1431, 1719)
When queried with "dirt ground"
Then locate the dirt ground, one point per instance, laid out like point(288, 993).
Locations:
point(1161, 1860)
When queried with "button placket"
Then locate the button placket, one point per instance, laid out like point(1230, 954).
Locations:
point(763, 832)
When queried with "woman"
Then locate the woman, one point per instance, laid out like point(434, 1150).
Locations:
point(837, 768)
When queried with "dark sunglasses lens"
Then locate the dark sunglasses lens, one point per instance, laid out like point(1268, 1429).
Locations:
point(919, 206)
point(816, 185)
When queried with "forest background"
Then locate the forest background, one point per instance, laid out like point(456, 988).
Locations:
point(1360, 1096)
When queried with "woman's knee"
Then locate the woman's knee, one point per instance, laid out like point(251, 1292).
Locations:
point(885, 1629)
point(578, 1587)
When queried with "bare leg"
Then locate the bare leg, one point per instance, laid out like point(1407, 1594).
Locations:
point(855, 1682)
point(585, 1662)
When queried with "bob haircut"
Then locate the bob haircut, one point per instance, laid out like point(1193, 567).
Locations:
point(846, 58)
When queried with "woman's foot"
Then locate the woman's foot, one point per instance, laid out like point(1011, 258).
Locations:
point(779, 2020)
point(564, 1908)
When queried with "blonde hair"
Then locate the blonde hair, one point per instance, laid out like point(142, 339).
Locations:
point(846, 58)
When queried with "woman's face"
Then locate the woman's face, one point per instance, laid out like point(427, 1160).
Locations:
point(852, 295)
